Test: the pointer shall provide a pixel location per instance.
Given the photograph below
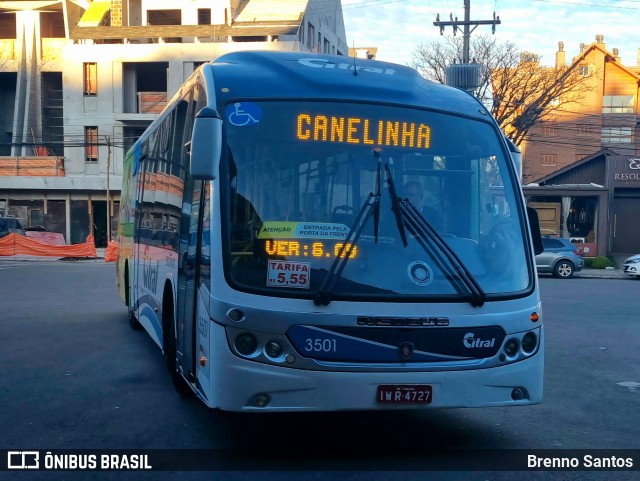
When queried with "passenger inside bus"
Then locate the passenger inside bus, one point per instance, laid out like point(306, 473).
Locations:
point(499, 249)
point(415, 193)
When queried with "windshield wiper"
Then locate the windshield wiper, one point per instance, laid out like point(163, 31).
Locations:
point(370, 206)
point(421, 228)
point(395, 203)
point(376, 208)
point(335, 271)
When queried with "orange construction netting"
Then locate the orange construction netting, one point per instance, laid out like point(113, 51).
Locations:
point(111, 253)
point(16, 244)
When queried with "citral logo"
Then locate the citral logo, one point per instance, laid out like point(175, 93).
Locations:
point(324, 63)
point(470, 341)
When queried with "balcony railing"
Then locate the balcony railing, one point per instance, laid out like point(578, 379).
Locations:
point(151, 102)
point(52, 48)
point(7, 49)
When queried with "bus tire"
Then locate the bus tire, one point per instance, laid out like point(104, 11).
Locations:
point(169, 339)
point(133, 320)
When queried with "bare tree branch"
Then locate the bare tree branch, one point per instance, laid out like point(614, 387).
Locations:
point(514, 87)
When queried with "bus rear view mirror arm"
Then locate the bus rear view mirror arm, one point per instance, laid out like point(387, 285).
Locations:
point(534, 225)
point(206, 144)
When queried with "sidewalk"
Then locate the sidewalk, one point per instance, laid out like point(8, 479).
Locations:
point(610, 273)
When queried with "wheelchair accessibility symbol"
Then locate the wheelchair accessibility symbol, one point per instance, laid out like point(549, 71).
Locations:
point(243, 114)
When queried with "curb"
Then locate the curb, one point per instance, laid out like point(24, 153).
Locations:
point(602, 274)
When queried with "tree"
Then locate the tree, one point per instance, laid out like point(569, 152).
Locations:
point(514, 87)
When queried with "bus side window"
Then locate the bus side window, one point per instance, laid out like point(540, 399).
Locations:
point(244, 219)
point(343, 214)
point(205, 241)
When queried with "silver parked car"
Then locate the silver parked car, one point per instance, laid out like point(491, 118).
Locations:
point(560, 258)
point(631, 266)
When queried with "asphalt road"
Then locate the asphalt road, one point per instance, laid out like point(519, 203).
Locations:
point(73, 375)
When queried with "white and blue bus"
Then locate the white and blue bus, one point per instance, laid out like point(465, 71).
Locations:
point(304, 232)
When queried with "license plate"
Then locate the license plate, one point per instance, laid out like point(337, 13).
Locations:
point(404, 394)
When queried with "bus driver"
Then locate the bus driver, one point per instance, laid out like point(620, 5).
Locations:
point(414, 193)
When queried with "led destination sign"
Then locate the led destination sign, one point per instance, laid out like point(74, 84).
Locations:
point(316, 239)
point(360, 130)
point(316, 249)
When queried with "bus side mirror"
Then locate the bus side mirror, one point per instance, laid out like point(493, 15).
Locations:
point(206, 144)
point(534, 226)
point(516, 156)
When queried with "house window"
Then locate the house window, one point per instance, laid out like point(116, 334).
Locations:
point(583, 70)
point(617, 104)
point(616, 135)
point(311, 35)
point(549, 130)
point(584, 130)
point(8, 25)
point(90, 78)
point(164, 17)
point(91, 143)
point(549, 159)
point(204, 16)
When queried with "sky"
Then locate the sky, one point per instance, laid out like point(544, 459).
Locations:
point(397, 27)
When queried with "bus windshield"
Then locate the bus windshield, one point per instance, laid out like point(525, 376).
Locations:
point(300, 177)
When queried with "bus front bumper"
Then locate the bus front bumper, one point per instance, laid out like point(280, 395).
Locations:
point(244, 385)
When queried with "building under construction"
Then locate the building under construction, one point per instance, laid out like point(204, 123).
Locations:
point(80, 81)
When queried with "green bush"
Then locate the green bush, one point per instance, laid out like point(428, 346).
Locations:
point(601, 262)
point(588, 261)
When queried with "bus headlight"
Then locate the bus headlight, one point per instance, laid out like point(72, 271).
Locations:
point(246, 344)
point(511, 347)
point(273, 348)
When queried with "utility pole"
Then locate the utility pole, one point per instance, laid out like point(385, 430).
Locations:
point(108, 140)
point(466, 24)
point(465, 76)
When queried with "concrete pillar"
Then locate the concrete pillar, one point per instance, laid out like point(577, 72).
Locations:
point(68, 218)
point(27, 116)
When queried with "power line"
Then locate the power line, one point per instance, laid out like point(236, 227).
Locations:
point(595, 143)
point(352, 6)
point(559, 2)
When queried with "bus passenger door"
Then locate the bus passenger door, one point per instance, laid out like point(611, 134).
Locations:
point(188, 276)
point(142, 233)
